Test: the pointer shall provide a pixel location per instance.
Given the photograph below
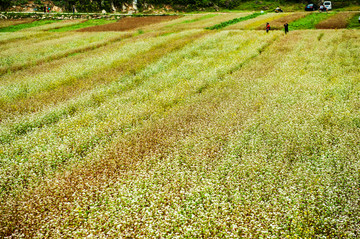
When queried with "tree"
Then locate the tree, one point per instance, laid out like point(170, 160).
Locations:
point(5, 4)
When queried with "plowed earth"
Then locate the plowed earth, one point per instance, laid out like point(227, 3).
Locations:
point(129, 23)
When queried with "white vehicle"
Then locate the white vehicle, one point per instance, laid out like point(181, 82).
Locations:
point(327, 4)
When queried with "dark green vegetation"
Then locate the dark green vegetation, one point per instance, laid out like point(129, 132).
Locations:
point(187, 5)
point(309, 21)
point(26, 25)
point(234, 21)
point(354, 22)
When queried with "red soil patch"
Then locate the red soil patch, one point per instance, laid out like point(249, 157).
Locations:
point(128, 23)
point(340, 20)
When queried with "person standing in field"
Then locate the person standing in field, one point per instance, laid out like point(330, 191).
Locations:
point(267, 27)
point(286, 27)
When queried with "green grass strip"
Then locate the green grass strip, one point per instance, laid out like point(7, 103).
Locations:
point(234, 21)
point(19, 27)
point(309, 21)
point(88, 23)
point(354, 22)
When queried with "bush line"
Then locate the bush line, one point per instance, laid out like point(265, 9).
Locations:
point(234, 21)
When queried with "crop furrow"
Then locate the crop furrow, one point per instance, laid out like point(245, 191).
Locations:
point(160, 138)
point(234, 21)
point(77, 86)
point(122, 112)
point(31, 39)
point(337, 21)
point(309, 21)
point(278, 24)
point(24, 26)
point(251, 150)
point(20, 36)
point(82, 84)
point(83, 49)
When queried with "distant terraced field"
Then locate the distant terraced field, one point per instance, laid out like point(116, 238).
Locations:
point(158, 127)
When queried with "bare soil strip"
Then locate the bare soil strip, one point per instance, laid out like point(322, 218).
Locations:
point(337, 21)
point(129, 23)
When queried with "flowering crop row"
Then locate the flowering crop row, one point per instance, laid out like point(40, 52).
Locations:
point(228, 135)
point(82, 124)
point(234, 21)
point(14, 88)
point(38, 52)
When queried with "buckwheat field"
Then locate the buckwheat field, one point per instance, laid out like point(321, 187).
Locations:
point(172, 130)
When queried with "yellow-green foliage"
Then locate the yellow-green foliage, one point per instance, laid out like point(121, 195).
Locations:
point(6, 23)
point(256, 22)
point(6, 37)
point(178, 24)
point(34, 51)
point(231, 135)
point(55, 25)
point(262, 22)
point(29, 85)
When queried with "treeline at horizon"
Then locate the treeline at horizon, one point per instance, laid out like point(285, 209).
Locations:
point(98, 5)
